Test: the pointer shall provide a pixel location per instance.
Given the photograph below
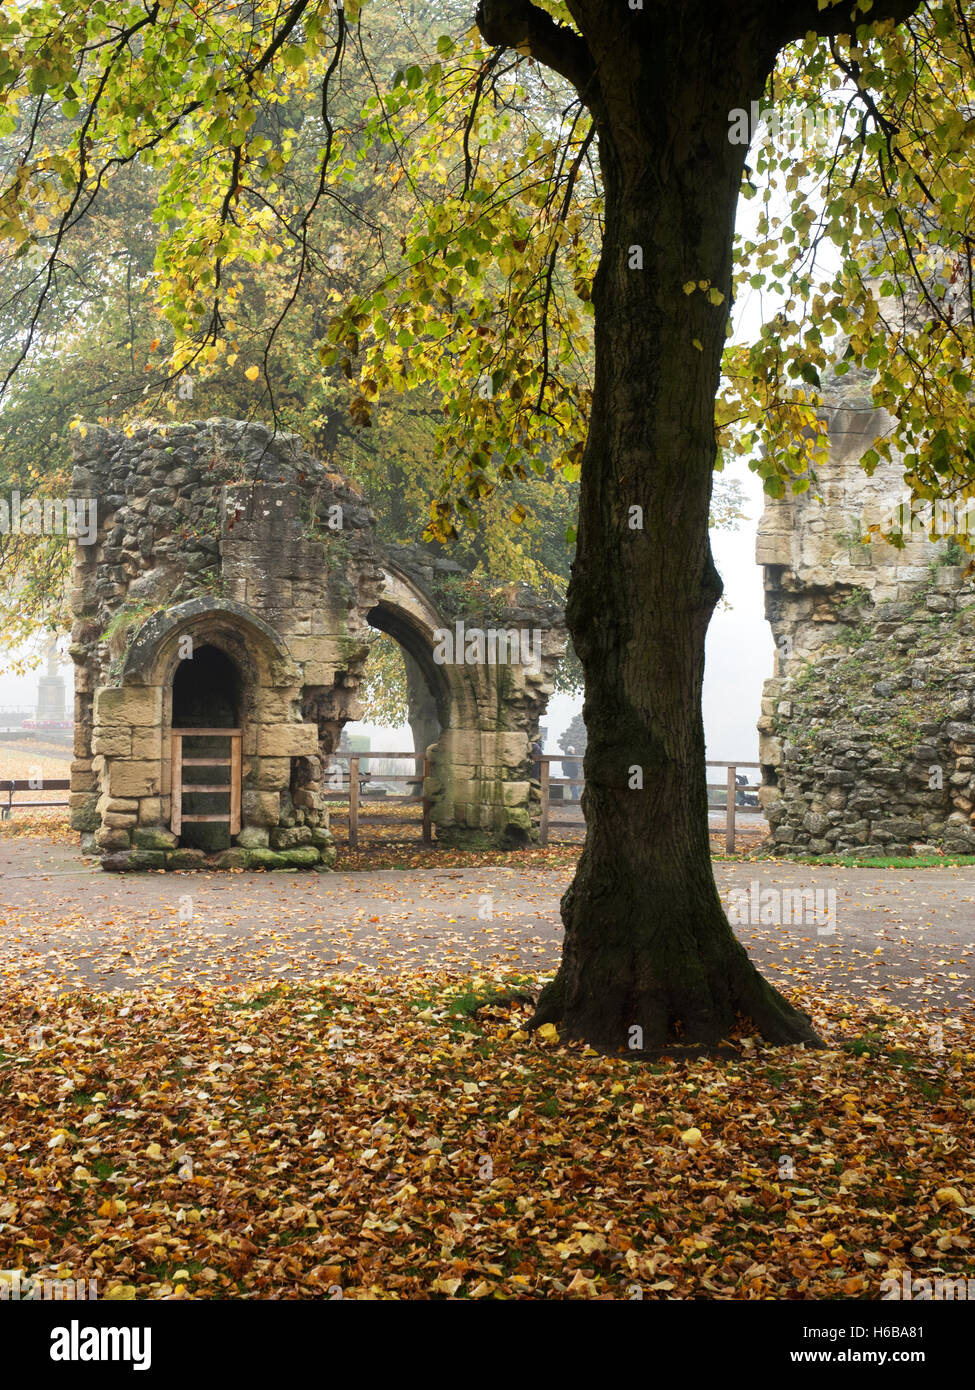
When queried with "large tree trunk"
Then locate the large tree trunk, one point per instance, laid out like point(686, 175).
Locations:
point(647, 943)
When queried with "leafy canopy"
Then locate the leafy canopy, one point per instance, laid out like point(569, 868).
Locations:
point(259, 129)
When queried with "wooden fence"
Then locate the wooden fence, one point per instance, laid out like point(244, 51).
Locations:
point(730, 786)
point(354, 789)
point(732, 792)
point(8, 788)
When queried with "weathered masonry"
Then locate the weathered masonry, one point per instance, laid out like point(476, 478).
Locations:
point(867, 732)
point(221, 629)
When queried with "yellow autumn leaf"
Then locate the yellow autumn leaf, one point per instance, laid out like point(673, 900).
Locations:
point(447, 1286)
point(252, 373)
point(950, 1194)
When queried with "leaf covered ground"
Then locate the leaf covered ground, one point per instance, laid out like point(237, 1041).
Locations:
point(352, 1138)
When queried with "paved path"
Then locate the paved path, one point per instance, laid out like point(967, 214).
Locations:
point(900, 934)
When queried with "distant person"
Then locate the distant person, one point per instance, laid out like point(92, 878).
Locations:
point(570, 768)
point(536, 760)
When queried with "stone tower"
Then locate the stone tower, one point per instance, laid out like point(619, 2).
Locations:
point(867, 740)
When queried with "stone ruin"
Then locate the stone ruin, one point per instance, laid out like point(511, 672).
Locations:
point(867, 736)
point(222, 623)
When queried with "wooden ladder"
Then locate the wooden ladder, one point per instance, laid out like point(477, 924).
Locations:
point(231, 788)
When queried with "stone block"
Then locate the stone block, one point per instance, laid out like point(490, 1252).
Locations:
point(277, 706)
point(84, 813)
point(770, 750)
point(123, 804)
point(307, 799)
point(302, 857)
point(153, 839)
point(111, 838)
point(235, 858)
point(287, 740)
point(186, 859)
point(515, 793)
point(129, 706)
point(271, 774)
point(147, 744)
point(253, 837)
point(133, 779)
point(150, 810)
point(904, 828)
point(147, 859)
point(112, 741)
point(116, 863)
point(260, 807)
point(290, 838)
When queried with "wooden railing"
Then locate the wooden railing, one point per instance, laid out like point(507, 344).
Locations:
point(732, 791)
point(48, 784)
point(547, 781)
point(355, 791)
point(730, 786)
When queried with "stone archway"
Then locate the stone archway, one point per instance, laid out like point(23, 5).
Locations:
point(486, 711)
point(221, 532)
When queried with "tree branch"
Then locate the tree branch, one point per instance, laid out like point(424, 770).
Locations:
point(798, 17)
point(520, 24)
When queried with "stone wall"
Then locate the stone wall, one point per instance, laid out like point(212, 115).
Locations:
point(218, 534)
point(867, 735)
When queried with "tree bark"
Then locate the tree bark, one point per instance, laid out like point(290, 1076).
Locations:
point(649, 958)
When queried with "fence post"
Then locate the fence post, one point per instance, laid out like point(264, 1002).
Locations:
point(729, 831)
point(427, 808)
point(354, 802)
point(235, 749)
point(176, 816)
point(543, 828)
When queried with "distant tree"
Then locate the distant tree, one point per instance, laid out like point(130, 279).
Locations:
point(574, 736)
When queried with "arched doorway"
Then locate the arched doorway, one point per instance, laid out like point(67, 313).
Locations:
point(427, 692)
point(207, 694)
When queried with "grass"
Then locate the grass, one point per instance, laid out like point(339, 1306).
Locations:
point(918, 861)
